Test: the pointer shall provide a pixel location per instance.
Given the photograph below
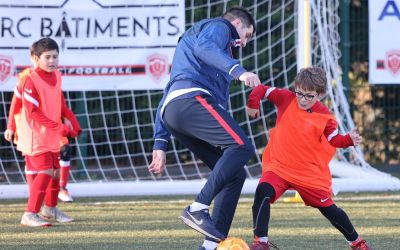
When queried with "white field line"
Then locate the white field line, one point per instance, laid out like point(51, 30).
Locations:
point(394, 197)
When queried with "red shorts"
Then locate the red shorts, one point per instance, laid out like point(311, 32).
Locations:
point(41, 162)
point(311, 197)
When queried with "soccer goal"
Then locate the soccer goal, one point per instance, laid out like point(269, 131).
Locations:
point(112, 154)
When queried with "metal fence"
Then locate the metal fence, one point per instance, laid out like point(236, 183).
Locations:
point(375, 108)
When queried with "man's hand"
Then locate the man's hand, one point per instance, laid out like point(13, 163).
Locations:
point(355, 137)
point(250, 79)
point(8, 134)
point(157, 165)
point(253, 113)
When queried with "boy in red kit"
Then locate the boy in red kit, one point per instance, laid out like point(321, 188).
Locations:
point(69, 119)
point(40, 131)
point(301, 145)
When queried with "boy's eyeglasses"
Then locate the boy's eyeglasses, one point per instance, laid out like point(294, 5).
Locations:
point(308, 97)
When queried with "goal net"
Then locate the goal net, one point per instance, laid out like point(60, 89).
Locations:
point(112, 154)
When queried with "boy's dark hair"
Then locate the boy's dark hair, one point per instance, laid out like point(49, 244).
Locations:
point(43, 45)
point(311, 79)
point(241, 13)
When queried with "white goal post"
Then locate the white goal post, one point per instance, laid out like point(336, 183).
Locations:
point(111, 156)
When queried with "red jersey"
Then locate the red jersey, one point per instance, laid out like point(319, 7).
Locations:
point(16, 103)
point(282, 98)
point(35, 135)
point(302, 142)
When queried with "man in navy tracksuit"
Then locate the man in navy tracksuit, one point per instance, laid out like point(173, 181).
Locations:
point(193, 109)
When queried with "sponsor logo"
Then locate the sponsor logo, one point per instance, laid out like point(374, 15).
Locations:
point(393, 61)
point(29, 91)
point(6, 68)
point(91, 25)
point(323, 200)
point(198, 222)
point(102, 70)
point(157, 66)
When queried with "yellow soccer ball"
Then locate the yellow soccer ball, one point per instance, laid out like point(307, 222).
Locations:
point(232, 243)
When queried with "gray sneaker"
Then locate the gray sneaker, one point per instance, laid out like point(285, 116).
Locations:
point(55, 214)
point(33, 220)
point(201, 222)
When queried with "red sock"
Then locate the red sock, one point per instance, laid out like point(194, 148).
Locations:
point(64, 175)
point(37, 192)
point(29, 180)
point(52, 190)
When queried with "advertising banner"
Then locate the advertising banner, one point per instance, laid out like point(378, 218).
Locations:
point(384, 41)
point(104, 44)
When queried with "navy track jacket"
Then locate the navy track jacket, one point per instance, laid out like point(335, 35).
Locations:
point(202, 60)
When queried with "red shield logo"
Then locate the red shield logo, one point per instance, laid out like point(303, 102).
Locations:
point(157, 66)
point(6, 68)
point(393, 61)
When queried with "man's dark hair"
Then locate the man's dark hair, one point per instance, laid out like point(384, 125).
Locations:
point(43, 45)
point(241, 13)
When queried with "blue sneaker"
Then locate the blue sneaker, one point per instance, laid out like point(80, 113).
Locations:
point(201, 222)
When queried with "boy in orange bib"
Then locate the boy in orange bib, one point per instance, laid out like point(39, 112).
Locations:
point(69, 119)
point(299, 149)
point(39, 133)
